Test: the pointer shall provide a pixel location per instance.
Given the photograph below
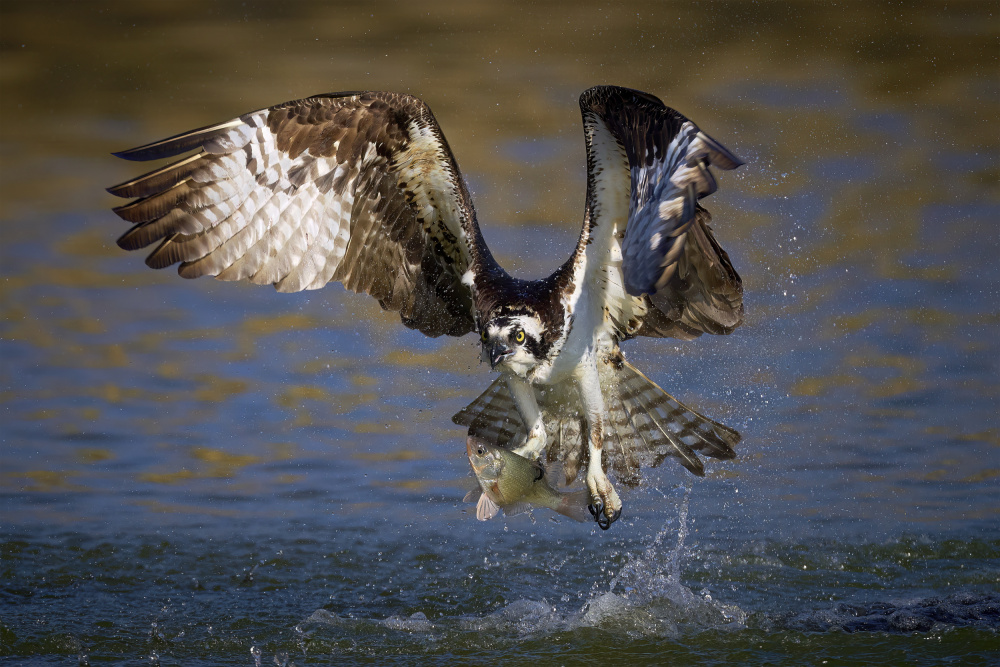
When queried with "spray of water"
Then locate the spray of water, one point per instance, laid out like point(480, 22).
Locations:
point(644, 598)
point(651, 582)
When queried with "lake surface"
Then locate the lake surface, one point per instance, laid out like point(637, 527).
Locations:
point(196, 472)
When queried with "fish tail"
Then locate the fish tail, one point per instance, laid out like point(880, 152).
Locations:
point(574, 505)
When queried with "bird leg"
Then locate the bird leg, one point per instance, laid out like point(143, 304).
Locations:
point(527, 407)
point(607, 506)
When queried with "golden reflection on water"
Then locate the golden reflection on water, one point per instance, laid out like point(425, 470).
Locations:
point(859, 124)
point(161, 507)
point(208, 463)
point(43, 481)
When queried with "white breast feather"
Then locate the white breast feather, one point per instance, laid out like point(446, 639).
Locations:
point(606, 286)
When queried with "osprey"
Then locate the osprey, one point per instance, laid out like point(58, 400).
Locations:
point(362, 188)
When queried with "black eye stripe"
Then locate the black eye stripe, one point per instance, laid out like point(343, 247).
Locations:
point(535, 348)
point(506, 327)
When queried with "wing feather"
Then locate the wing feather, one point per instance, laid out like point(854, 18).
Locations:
point(663, 272)
point(359, 188)
point(493, 416)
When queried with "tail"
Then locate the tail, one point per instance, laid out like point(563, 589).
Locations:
point(647, 425)
point(644, 426)
point(574, 505)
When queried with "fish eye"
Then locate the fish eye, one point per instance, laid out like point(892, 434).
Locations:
point(481, 451)
point(519, 336)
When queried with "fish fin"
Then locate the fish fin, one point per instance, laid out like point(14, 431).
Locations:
point(486, 508)
point(471, 484)
point(516, 508)
point(556, 471)
point(574, 505)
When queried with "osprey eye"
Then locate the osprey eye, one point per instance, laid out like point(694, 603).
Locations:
point(483, 336)
point(519, 336)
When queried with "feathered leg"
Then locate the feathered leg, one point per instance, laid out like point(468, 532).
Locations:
point(607, 506)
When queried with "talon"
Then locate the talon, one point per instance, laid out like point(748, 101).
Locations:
point(602, 519)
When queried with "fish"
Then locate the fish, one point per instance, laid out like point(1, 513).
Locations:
point(514, 484)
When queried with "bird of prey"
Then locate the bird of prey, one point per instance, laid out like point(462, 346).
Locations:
point(362, 188)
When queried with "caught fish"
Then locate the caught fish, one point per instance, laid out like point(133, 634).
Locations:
point(513, 483)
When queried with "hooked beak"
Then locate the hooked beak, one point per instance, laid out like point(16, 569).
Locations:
point(498, 352)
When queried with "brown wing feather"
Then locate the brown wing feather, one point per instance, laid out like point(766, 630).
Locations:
point(359, 188)
point(649, 240)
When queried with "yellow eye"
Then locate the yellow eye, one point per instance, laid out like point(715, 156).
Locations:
point(519, 336)
point(483, 336)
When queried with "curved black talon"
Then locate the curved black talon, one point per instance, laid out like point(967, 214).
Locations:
point(602, 520)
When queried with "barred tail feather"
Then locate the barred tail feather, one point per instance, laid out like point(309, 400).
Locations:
point(567, 444)
point(624, 440)
point(660, 438)
point(659, 425)
point(644, 426)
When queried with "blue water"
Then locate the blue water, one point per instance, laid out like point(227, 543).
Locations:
point(195, 472)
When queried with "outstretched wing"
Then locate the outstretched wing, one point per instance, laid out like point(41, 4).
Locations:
point(359, 188)
point(651, 246)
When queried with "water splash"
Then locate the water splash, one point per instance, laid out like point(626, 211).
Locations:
point(637, 570)
point(644, 598)
point(653, 581)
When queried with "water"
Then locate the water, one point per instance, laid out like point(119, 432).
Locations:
point(203, 473)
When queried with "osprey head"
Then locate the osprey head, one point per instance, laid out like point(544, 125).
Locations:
point(512, 340)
